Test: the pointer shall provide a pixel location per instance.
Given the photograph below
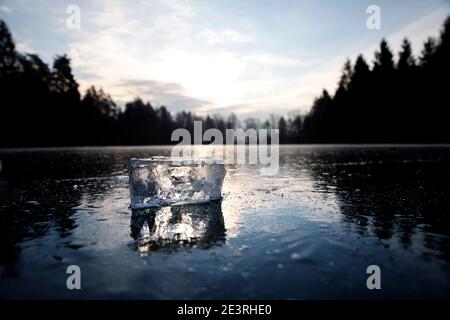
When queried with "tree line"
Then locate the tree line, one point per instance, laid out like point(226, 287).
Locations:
point(392, 101)
point(402, 100)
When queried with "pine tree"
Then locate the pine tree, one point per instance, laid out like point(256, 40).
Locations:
point(384, 59)
point(406, 60)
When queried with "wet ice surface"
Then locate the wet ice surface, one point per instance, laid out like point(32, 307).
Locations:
point(309, 232)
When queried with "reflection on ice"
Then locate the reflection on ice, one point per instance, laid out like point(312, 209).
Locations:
point(200, 225)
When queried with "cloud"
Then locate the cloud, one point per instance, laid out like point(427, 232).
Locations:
point(5, 9)
point(269, 59)
point(180, 7)
point(153, 51)
point(224, 36)
point(161, 60)
point(169, 94)
point(24, 47)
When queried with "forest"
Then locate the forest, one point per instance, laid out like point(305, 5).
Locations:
point(401, 99)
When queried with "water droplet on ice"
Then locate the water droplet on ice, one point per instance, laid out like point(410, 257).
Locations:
point(295, 256)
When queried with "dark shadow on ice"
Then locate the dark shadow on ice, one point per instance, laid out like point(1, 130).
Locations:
point(184, 226)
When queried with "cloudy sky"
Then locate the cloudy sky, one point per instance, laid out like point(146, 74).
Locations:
point(252, 57)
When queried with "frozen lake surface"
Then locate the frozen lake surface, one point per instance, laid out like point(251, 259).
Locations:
point(308, 232)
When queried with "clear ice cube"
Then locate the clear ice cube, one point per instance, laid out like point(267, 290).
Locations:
point(160, 181)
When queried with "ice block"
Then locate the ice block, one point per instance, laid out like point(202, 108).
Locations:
point(160, 181)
